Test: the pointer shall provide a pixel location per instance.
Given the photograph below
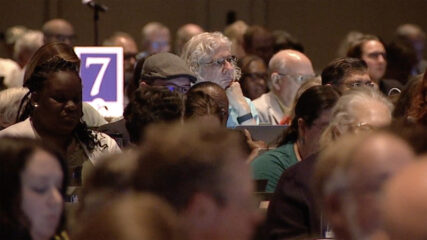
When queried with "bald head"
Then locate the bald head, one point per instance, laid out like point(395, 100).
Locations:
point(404, 203)
point(288, 69)
point(129, 46)
point(58, 30)
point(357, 180)
point(291, 62)
point(184, 34)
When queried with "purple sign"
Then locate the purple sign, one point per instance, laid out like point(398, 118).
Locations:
point(101, 71)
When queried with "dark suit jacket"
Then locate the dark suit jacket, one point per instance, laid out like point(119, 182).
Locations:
point(117, 130)
point(293, 211)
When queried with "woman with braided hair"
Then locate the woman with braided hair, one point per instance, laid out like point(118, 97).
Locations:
point(53, 111)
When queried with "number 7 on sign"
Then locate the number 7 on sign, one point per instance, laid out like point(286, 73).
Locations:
point(100, 76)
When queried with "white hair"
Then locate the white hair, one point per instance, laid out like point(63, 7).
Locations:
point(343, 114)
point(10, 99)
point(201, 48)
point(28, 42)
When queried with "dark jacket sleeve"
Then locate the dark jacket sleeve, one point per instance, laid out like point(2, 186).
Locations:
point(292, 211)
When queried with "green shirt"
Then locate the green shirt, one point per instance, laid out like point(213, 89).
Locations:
point(271, 164)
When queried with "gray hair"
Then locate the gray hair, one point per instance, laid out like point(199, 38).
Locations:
point(151, 28)
point(201, 48)
point(10, 100)
point(343, 114)
point(29, 41)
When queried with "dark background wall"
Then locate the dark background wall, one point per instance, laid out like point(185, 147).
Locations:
point(318, 24)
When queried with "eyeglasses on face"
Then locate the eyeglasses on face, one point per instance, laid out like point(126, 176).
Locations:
point(298, 77)
point(358, 84)
point(362, 127)
point(221, 61)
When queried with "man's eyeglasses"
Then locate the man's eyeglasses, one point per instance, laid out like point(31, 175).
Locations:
point(362, 127)
point(221, 61)
point(298, 78)
point(358, 84)
point(176, 88)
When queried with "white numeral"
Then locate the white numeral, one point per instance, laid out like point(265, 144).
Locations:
point(104, 64)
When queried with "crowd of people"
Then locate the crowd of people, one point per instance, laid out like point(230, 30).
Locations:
point(349, 164)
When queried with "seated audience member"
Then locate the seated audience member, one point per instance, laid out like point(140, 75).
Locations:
point(91, 116)
point(372, 50)
point(408, 93)
point(349, 177)
point(54, 110)
point(155, 39)
point(293, 210)
point(130, 217)
point(130, 49)
point(347, 73)
point(58, 30)
point(235, 32)
point(12, 34)
point(416, 36)
point(185, 33)
point(288, 70)
point(259, 41)
point(284, 40)
point(33, 186)
point(160, 70)
point(200, 169)
point(151, 105)
point(148, 105)
point(167, 70)
point(218, 94)
point(300, 139)
point(208, 55)
point(10, 99)
point(403, 203)
point(25, 47)
point(111, 178)
point(418, 108)
point(254, 76)
point(200, 106)
point(401, 60)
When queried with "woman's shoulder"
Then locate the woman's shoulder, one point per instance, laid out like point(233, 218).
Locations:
point(277, 155)
point(106, 141)
point(20, 129)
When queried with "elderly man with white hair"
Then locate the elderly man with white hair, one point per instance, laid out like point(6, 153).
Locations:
point(288, 70)
point(209, 56)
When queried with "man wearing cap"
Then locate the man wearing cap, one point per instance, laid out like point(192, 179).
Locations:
point(167, 70)
point(161, 70)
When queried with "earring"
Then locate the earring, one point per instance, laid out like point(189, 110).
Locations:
point(35, 105)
